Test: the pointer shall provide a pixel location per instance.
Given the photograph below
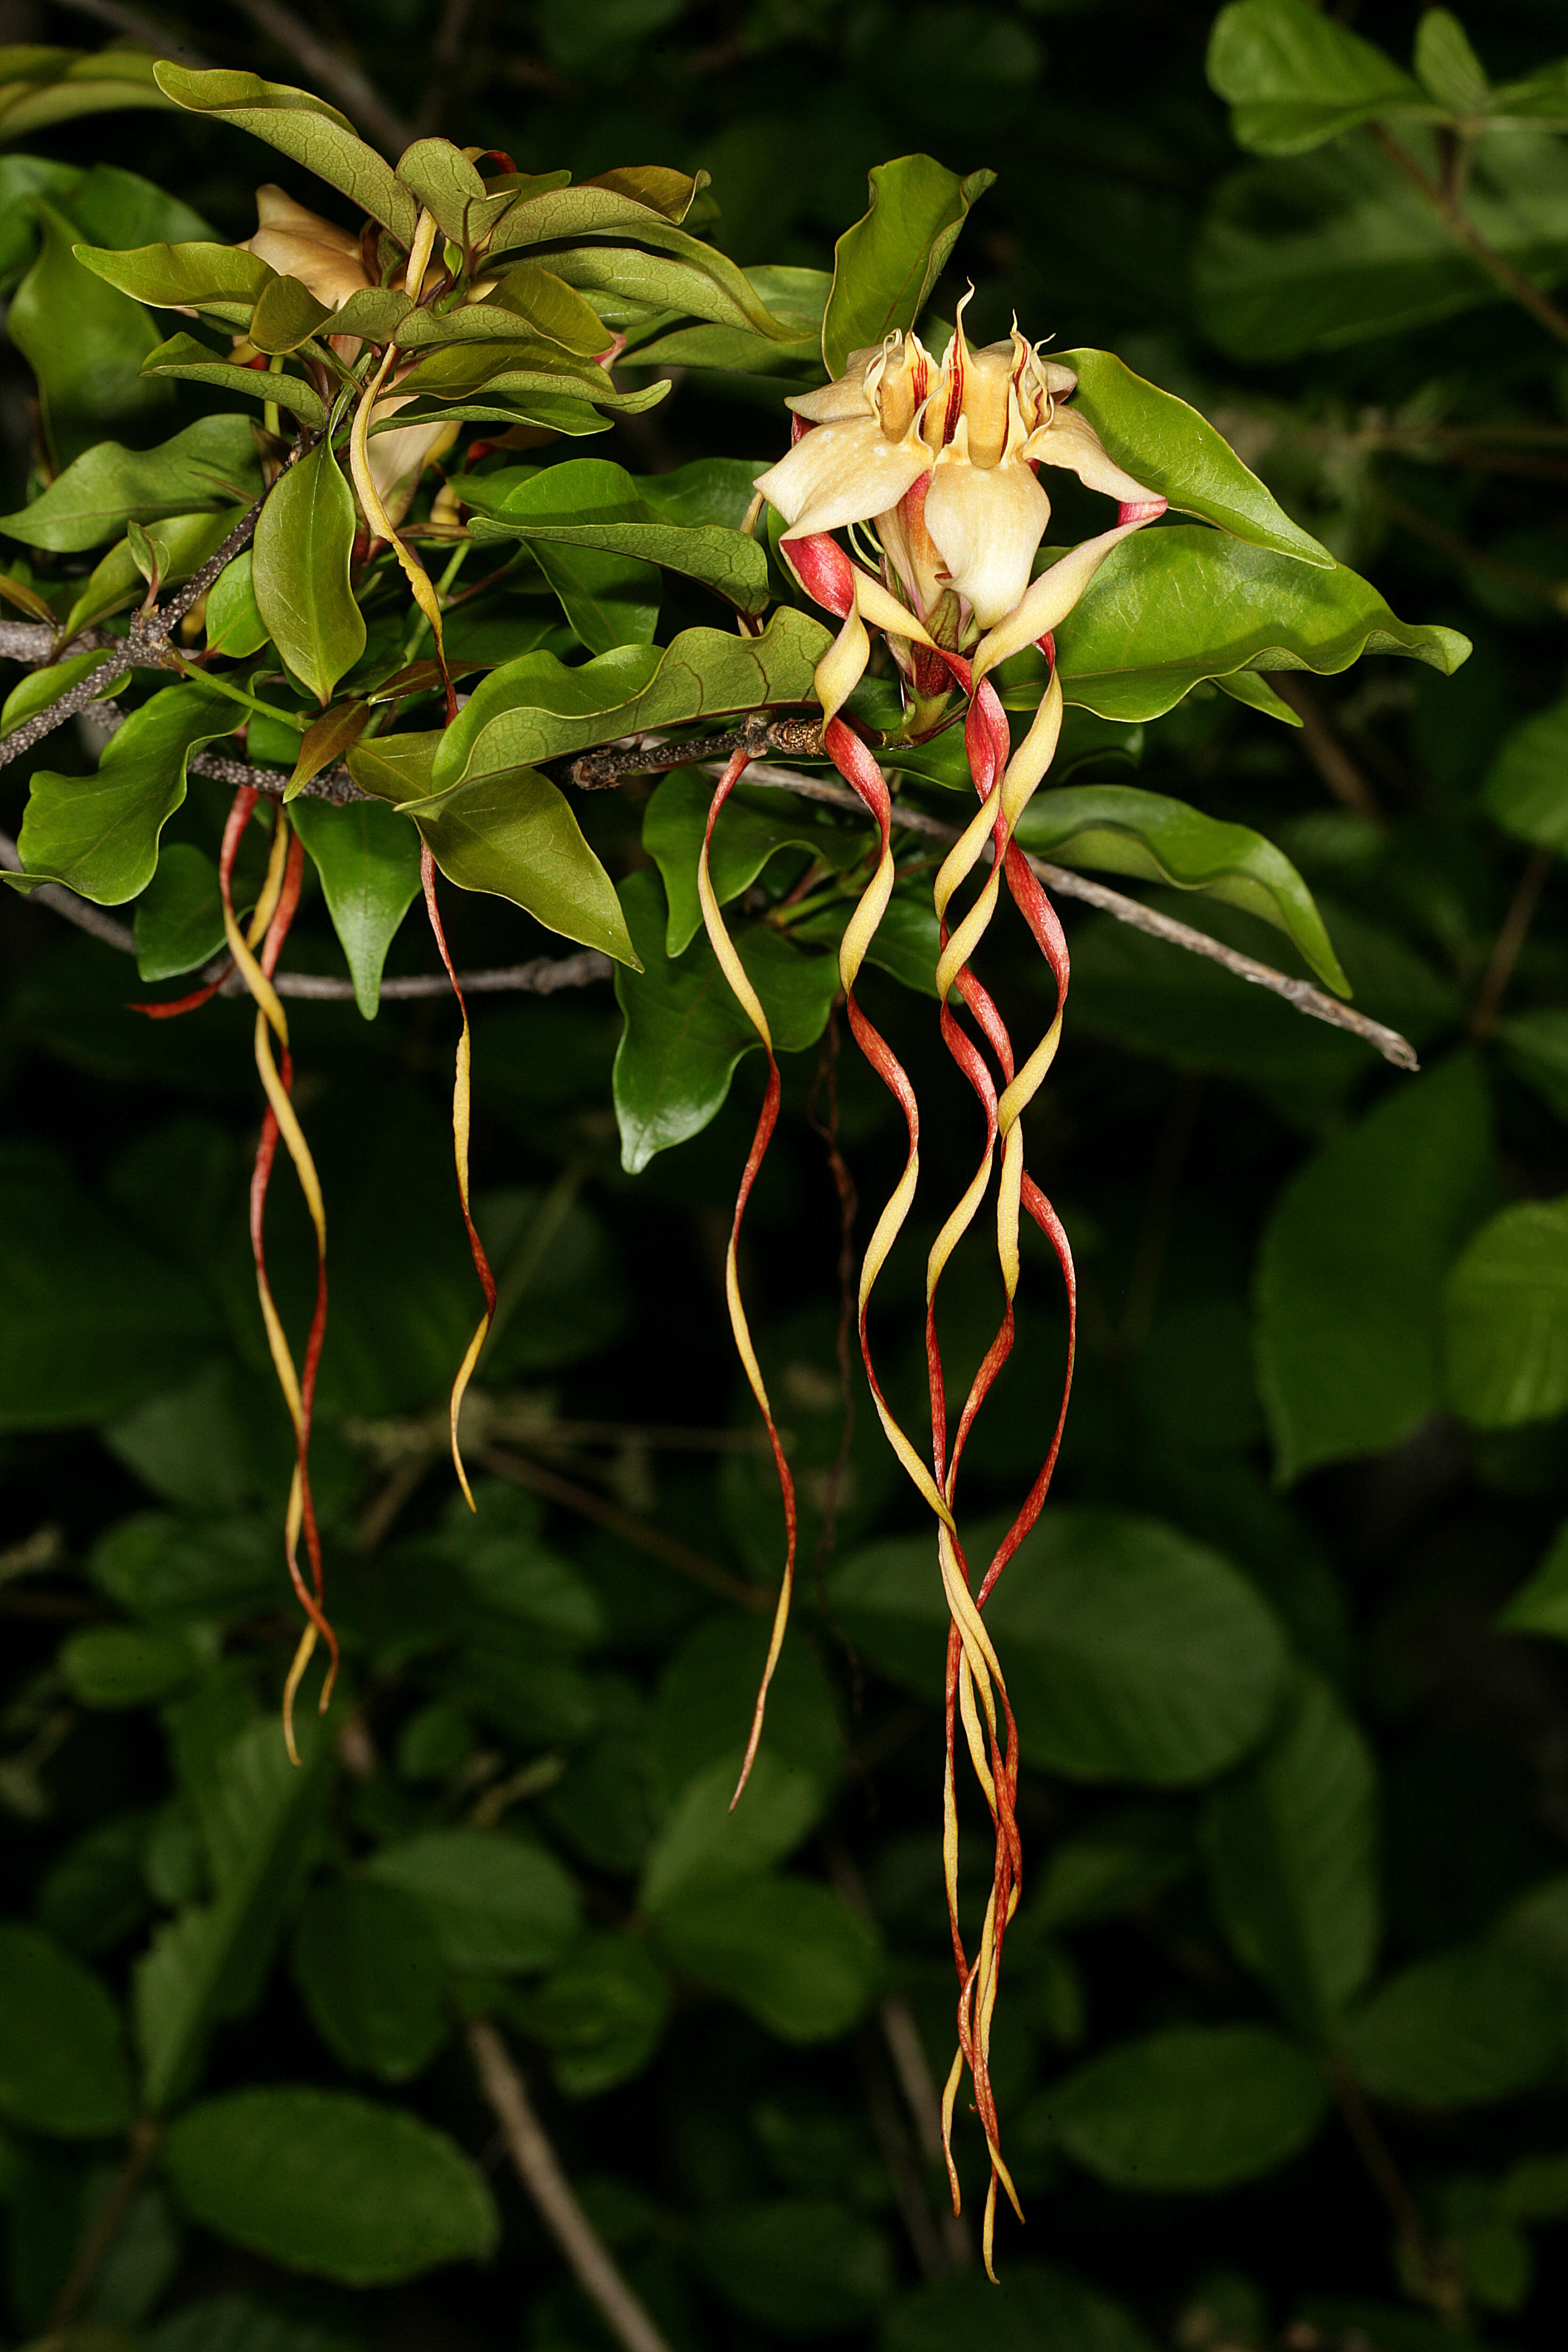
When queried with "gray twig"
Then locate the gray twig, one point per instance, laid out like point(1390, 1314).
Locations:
point(539, 2168)
point(1301, 993)
point(132, 26)
point(327, 69)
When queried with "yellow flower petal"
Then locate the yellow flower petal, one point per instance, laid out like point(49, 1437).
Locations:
point(841, 473)
point(1071, 441)
point(986, 524)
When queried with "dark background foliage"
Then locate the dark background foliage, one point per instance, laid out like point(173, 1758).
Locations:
point(558, 1673)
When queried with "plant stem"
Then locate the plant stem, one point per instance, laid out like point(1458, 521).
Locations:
point(1444, 202)
point(1510, 940)
point(105, 2225)
point(702, 1570)
point(539, 2170)
point(1441, 2287)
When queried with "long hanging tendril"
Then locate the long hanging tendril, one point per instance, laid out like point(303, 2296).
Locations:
point(268, 928)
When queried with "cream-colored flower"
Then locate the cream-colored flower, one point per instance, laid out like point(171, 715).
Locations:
point(398, 459)
point(939, 460)
point(300, 244)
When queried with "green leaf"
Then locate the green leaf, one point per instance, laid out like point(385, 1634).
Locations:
point(168, 1570)
point(754, 824)
point(39, 687)
point(210, 1963)
point(807, 2263)
point(369, 1969)
point(589, 503)
point(1124, 831)
point(519, 372)
point(1122, 1862)
point(233, 2323)
point(43, 87)
point(300, 571)
point(494, 1902)
point(1166, 444)
point(287, 314)
point(447, 184)
point(93, 1895)
point(1130, 1653)
point(534, 710)
point(178, 922)
point(368, 859)
point(1291, 1848)
point(514, 836)
point(685, 1030)
point(85, 344)
point(1295, 77)
point(1505, 1319)
point(331, 2185)
point(884, 268)
point(1326, 250)
point(601, 2017)
point(1194, 2107)
point(1447, 65)
point(1540, 1604)
point(183, 358)
point(234, 625)
point(547, 301)
point(1178, 605)
point(1526, 788)
point(90, 1321)
point(705, 1701)
point(786, 1950)
point(62, 2059)
point(545, 210)
point(99, 834)
point(1032, 2309)
point(680, 274)
point(131, 1665)
point(223, 279)
point(395, 768)
point(1350, 1278)
point(1459, 2031)
point(704, 1843)
point(183, 544)
point(303, 127)
point(212, 464)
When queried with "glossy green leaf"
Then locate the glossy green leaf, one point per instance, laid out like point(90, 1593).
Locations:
point(223, 279)
point(1164, 443)
point(62, 2061)
point(182, 542)
point(259, 1813)
point(589, 503)
point(370, 1971)
point(1130, 1653)
point(601, 2018)
point(1505, 1319)
point(1194, 2107)
point(99, 834)
point(85, 344)
point(884, 268)
point(287, 314)
point(1324, 250)
point(825, 2266)
point(545, 209)
point(234, 623)
point(178, 922)
point(1031, 2309)
point(1176, 605)
point(54, 85)
point(1457, 2030)
point(39, 687)
point(1123, 831)
point(1526, 790)
point(548, 303)
point(754, 825)
point(1291, 1848)
point(476, 359)
point(303, 127)
point(331, 2185)
point(686, 1032)
point(704, 1843)
point(1294, 76)
point(514, 836)
point(300, 571)
point(494, 1901)
point(368, 859)
point(1350, 1278)
point(447, 184)
point(786, 1950)
point(212, 464)
point(682, 274)
point(534, 708)
point(396, 768)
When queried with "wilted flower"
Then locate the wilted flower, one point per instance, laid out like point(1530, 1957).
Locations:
point(298, 243)
point(939, 460)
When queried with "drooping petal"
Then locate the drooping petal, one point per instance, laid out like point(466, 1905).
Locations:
point(841, 474)
point(300, 243)
point(1048, 601)
point(398, 459)
point(1070, 440)
point(986, 525)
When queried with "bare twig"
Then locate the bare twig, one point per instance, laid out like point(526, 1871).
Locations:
point(625, 1523)
point(133, 27)
point(650, 755)
point(105, 2226)
point(1440, 2286)
point(1301, 993)
point(1444, 202)
point(539, 2168)
point(1510, 940)
point(329, 69)
point(1323, 746)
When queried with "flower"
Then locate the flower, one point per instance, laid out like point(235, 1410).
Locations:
point(300, 244)
point(939, 460)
